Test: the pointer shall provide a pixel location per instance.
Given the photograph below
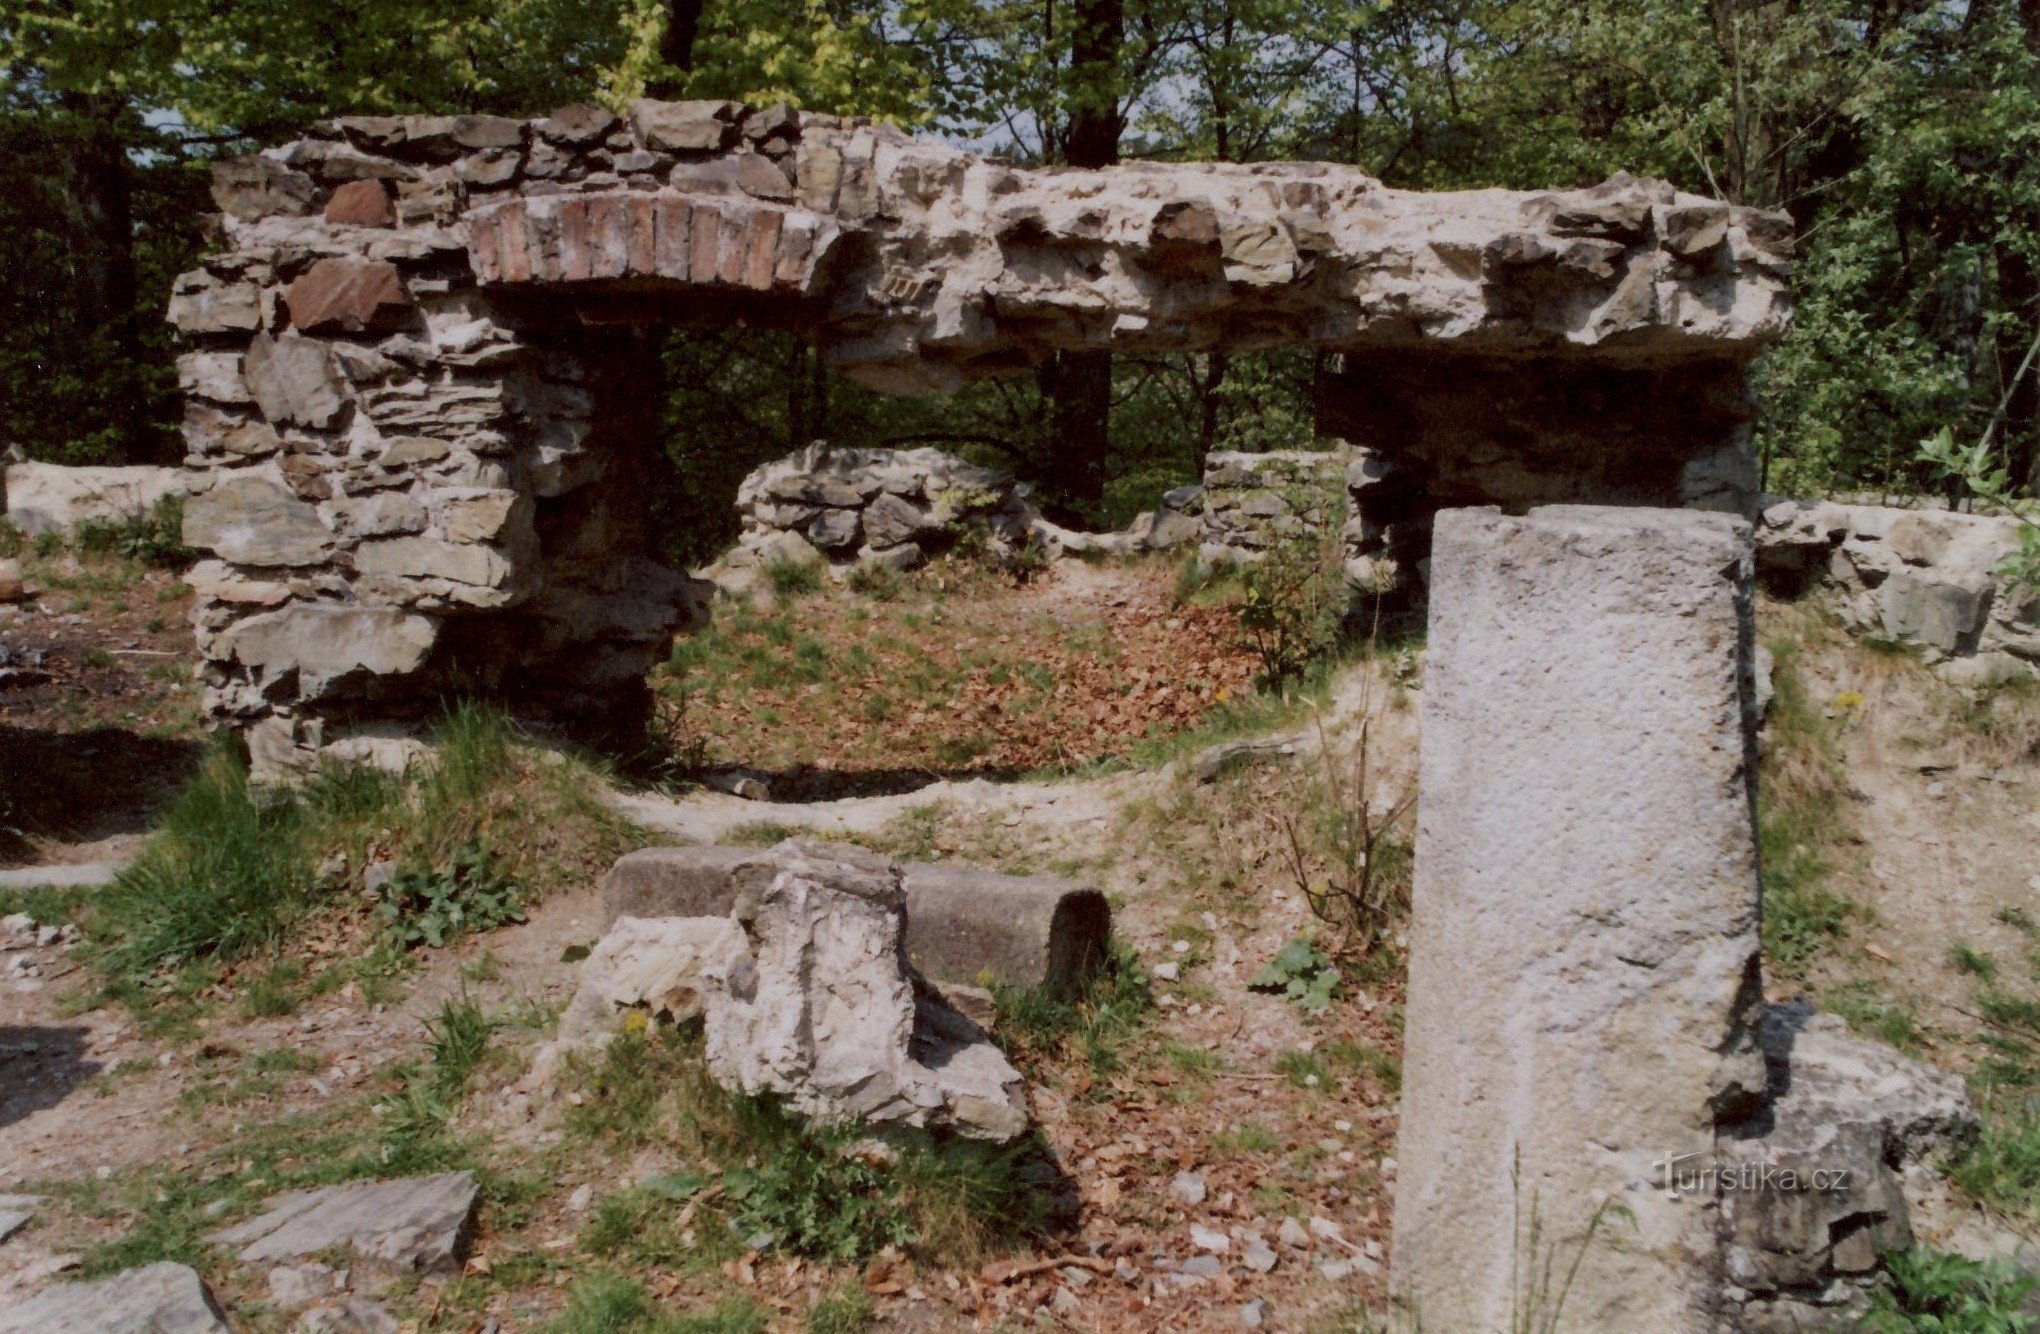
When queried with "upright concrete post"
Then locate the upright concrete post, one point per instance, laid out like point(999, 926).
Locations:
point(1584, 987)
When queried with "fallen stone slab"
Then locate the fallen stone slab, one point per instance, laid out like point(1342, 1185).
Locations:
point(73, 875)
point(964, 925)
point(416, 1223)
point(162, 1298)
point(652, 964)
point(820, 1008)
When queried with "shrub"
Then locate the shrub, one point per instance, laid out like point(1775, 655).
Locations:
point(1301, 972)
point(1293, 602)
point(154, 539)
point(791, 577)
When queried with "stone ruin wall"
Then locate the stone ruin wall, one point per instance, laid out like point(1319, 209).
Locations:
point(413, 407)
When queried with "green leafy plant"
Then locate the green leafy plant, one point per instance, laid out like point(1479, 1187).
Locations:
point(1291, 606)
point(1303, 973)
point(1979, 468)
point(1923, 1289)
point(420, 906)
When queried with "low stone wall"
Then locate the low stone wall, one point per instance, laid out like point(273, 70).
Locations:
point(890, 505)
point(1925, 576)
point(1255, 502)
point(51, 498)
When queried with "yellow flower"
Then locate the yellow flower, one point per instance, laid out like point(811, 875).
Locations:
point(1848, 699)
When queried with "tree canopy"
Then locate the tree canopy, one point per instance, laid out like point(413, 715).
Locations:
point(1900, 134)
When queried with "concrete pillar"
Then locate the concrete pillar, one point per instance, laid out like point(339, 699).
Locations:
point(1584, 985)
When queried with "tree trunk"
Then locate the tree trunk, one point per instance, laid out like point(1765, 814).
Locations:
point(676, 44)
point(1080, 433)
point(98, 195)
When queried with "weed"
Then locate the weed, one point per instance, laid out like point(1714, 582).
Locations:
point(1247, 1137)
point(1302, 1068)
point(419, 906)
point(1113, 1005)
point(876, 580)
point(847, 1311)
point(1923, 1289)
point(790, 578)
point(1301, 972)
point(1967, 959)
point(1867, 1008)
point(274, 992)
point(1801, 802)
point(612, 1304)
point(1292, 604)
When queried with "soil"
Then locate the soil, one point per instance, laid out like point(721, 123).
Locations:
point(1279, 1113)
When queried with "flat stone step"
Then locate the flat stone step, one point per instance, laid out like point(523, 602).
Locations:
point(415, 1223)
point(162, 1298)
point(64, 875)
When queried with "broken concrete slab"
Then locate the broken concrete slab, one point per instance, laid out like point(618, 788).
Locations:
point(162, 1298)
point(415, 1223)
point(1584, 983)
point(963, 925)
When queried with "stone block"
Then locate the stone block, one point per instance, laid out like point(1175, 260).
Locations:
point(324, 644)
point(206, 306)
point(162, 1298)
point(1584, 939)
point(685, 127)
point(650, 965)
point(51, 498)
point(431, 558)
point(819, 1008)
point(963, 924)
point(294, 380)
point(1944, 609)
point(361, 204)
point(251, 520)
point(350, 296)
point(413, 1224)
point(253, 188)
point(215, 376)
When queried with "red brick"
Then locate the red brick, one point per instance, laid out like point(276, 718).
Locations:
point(762, 249)
point(796, 243)
point(707, 233)
point(576, 263)
point(514, 242)
point(644, 236)
point(731, 251)
point(482, 255)
point(670, 257)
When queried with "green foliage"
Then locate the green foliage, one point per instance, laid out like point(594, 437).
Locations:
point(1293, 602)
point(423, 906)
point(1096, 1023)
point(792, 577)
point(607, 1303)
point(847, 1311)
point(1801, 821)
point(1923, 1289)
point(784, 1182)
point(1984, 474)
point(1302, 972)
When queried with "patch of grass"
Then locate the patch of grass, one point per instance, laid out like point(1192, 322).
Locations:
point(1096, 1024)
point(1924, 1289)
point(1868, 1008)
point(1802, 799)
point(799, 1187)
point(1968, 959)
point(790, 578)
point(847, 1311)
point(274, 992)
point(1247, 1137)
point(876, 580)
point(608, 1303)
point(232, 869)
point(1364, 1059)
point(1304, 1069)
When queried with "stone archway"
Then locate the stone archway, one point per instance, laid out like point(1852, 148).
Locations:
point(411, 396)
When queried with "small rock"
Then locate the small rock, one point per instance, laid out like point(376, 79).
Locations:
point(1258, 1256)
point(1254, 1314)
point(294, 1286)
point(1326, 1228)
point(12, 589)
point(1188, 1187)
point(1336, 1271)
point(1209, 1239)
point(1291, 1233)
point(353, 1316)
point(1201, 1266)
point(582, 1197)
point(1167, 972)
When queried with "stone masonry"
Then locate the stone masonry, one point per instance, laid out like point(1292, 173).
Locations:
point(1255, 502)
point(1584, 992)
point(412, 389)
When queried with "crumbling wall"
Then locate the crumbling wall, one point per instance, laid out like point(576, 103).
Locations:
point(415, 399)
point(1254, 503)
